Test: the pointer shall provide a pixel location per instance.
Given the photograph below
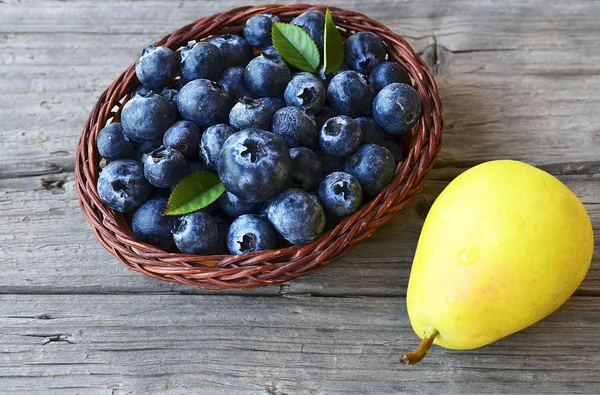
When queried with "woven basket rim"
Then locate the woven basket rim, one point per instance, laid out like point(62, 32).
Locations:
point(271, 266)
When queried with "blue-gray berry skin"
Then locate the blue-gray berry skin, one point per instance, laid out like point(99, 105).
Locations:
point(340, 194)
point(156, 66)
point(146, 117)
point(257, 30)
point(330, 163)
point(200, 60)
point(296, 128)
point(296, 215)
point(397, 108)
point(324, 115)
point(233, 82)
point(255, 165)
point(272, 103)
point(250, 233)
point(141, 151)
point(195, 233)
point(150, 226)
point(170, 95)
point(326, 78)
point(112, 144)
point(250, 113)
point(122, 186)
point(373, 166)
point(220, 247)
point(233, 206)
point(212, 141)
point(204, 102)
point(165, 167)
point(351, 94)
point(145, 91)
point(267, 74)
point(371, 131)
point(340, 136)
point(235, 49)
point(363, 51)
point(306, 92)
point(394, 150)
point(307, 171)
point(184, 136)
point(195, 167)
point(387, 73)
point(314, 23)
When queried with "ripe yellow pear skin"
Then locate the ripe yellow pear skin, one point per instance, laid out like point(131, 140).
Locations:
point(503, 246)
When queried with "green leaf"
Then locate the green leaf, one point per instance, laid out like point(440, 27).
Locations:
point(295, 46)
point(195, 191)
point(333, 49)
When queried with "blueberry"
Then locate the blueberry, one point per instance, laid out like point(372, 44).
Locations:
point(273, 103)
point(326, 78)
point(340, 136)
point(122, 186)
point(351, 94)
point(297, 128)
point(220, 247)
point(165, 167)
point(307, 171)
point(184, 136)
point(233, 82)
point(254, 165)
point(257, 30)
point(371, 131)
point(235, 50)
point(363, 51)
point(146, 117)
point(340, 194)
point(250, 233)
point(330, 163)
point(204, 102)
point(324, 115)
point(171, 95)
point(387, 73)
point(373, 166)
point(397, 108)
point(250, 113)
point(150, 226)
point(156, 66)
point(234, 206)
point(200, 60)
point(305, 91)
point(267, 74)
point(314, 23)
point(195, 233)
point(296, 215)
point(141, 151)
point(145, 91)
point(394, 150)
point(212, 141)
point(112, 144)
point(194, 167)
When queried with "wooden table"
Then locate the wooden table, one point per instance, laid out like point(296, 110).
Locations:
point(518, 80)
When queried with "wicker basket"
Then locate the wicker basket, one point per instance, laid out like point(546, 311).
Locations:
point(272, 266)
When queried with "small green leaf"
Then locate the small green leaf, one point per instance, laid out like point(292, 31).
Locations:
point(333, 49)
point(195, 191)
point(295, 46)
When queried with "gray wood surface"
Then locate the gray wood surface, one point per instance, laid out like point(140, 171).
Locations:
point(518, 80)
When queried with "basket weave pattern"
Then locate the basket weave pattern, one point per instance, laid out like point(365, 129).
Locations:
point(273, 266)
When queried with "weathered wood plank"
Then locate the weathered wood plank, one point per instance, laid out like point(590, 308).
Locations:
point(300, 345)
point(46, 245)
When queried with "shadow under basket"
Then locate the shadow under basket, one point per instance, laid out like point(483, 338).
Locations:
point(271, 266)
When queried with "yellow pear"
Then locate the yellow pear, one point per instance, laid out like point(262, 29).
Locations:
point(503, 246)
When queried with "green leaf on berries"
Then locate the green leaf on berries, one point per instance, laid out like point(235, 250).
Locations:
point(196, 190)
point(296, 46)
point(333, 50)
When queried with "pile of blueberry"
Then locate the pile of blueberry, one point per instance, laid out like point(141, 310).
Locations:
point(295, 151)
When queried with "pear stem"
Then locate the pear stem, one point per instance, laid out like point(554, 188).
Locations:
point(422, 349)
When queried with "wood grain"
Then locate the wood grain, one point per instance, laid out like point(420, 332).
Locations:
point(518, 79)
point(263, 345)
